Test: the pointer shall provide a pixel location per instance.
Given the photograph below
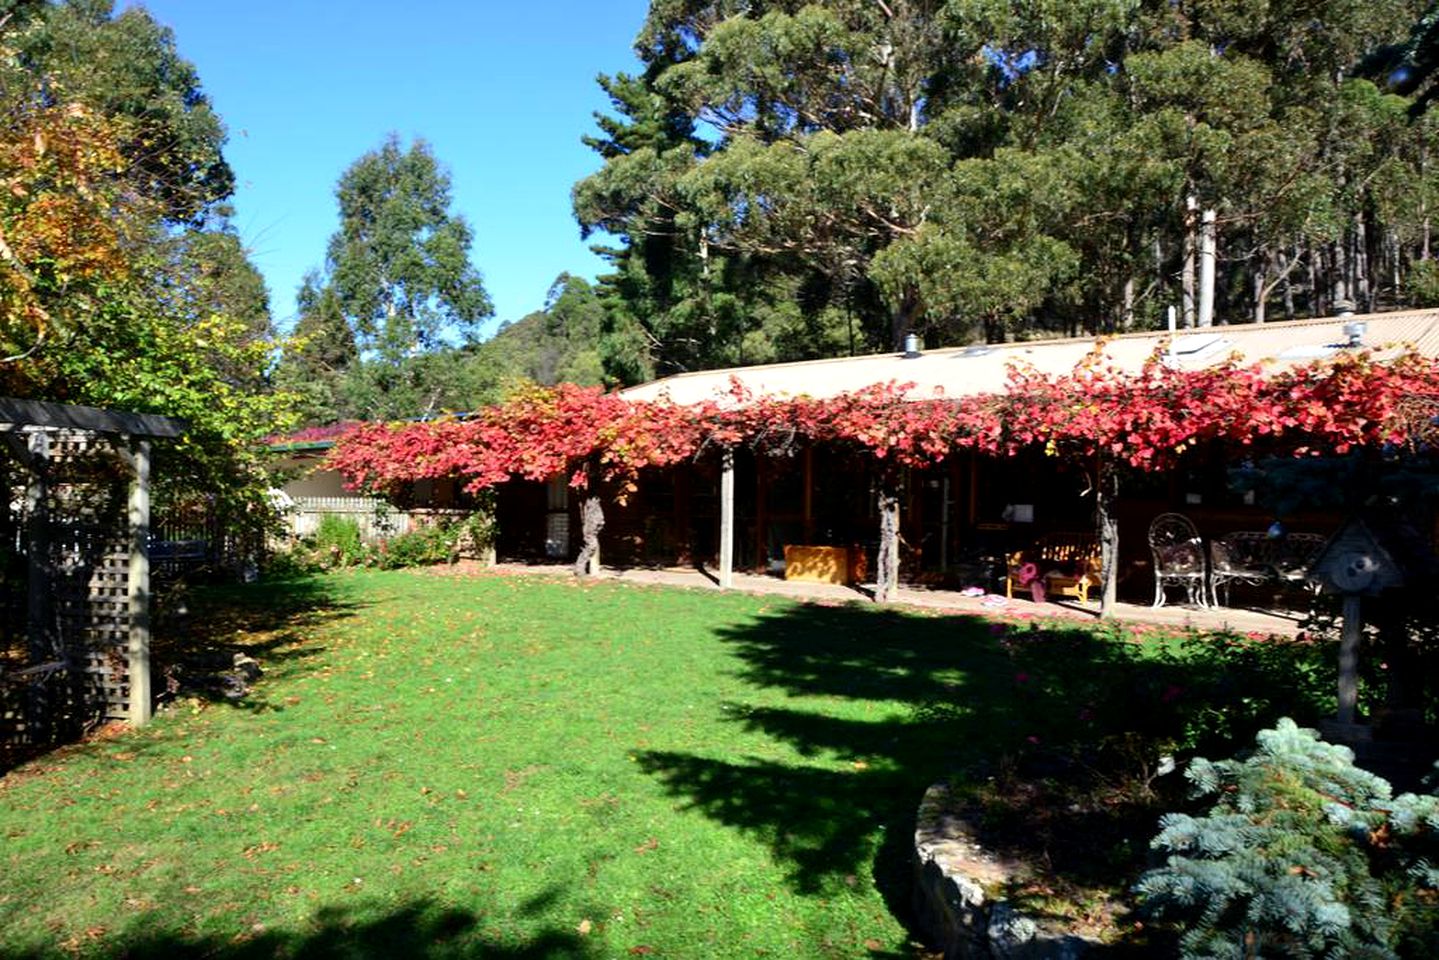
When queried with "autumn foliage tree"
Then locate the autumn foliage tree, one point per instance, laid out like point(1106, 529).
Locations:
point(122, 283)
point(63, 223)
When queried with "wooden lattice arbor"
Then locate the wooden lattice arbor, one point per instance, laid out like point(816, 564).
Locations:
point(75, 568)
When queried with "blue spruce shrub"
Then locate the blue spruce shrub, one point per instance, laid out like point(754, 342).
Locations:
point(1302, 855)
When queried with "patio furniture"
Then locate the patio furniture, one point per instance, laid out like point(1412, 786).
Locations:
point(1255, 558)
point(823, 564)
point(1178, 558)
point(1067, 562)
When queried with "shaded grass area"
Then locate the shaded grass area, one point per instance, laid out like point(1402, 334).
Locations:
point(516, 767)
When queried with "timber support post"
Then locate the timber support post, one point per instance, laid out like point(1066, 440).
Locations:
point(39, 624)
point(139, 584)
point(1349, 640)
point(726, 533)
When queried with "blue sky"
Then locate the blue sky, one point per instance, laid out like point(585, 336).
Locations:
point(501, 90)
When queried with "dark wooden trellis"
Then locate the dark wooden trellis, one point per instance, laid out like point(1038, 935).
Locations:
point(76, 570)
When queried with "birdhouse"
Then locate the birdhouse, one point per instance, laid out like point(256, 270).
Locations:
point(1355, 563)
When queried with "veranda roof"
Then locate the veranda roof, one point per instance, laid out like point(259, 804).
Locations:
point(965, 371)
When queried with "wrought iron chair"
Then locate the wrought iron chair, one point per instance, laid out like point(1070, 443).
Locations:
point(1258, 558)
point(1178, 558)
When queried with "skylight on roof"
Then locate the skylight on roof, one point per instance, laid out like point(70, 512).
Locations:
point(1308, 351)
point(1195, 344)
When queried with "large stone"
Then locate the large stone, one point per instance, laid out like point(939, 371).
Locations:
point(958, 893)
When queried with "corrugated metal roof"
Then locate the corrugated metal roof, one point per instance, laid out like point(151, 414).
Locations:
point(965, 371)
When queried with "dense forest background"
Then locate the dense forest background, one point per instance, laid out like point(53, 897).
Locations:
point(781, 180)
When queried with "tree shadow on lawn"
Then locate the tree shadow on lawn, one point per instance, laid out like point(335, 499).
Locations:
point(415, 931)
point(1069, 718)
point(199, 635)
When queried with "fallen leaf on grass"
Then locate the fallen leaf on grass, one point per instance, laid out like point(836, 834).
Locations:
point(254, 850)
point(585, 927)
point(647, 846)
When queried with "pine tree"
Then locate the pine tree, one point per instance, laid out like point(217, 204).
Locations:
point(1302, 855)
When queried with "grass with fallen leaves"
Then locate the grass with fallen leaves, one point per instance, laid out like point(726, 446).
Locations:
point(441, 766)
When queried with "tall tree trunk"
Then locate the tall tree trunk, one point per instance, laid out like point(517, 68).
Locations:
point(1105, 500)
point(1339, 271)
point(1395, 280)
point(1186, 273)
point(902, 321)
point(886, 577)
point(1286, 266)
point(1363, 285)
point(1126, 317)
point(1261, 290)
point(1208, 254)
point(592, 521)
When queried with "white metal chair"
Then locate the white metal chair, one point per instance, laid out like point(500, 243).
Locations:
point(1178, 558)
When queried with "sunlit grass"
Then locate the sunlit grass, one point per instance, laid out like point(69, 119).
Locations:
point(436, 766)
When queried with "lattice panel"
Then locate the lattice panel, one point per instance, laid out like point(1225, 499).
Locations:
point(90, 546)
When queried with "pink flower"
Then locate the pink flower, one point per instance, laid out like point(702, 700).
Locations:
point(1021, 678)
point(1032, 738)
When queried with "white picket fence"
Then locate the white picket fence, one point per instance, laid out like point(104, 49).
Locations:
point(376, 519)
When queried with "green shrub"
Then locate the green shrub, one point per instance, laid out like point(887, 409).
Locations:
point(419, 547)
point(289, 564)
point(1302, 855)
point(337, 541)
point(476, 534)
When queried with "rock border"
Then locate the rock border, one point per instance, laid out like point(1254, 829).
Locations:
point(953, 899)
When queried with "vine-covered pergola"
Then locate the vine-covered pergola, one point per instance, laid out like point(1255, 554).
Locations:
point(77, 535)
point(1097, 417)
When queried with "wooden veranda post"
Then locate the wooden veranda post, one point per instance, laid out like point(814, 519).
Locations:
point(592, 521)
point(726, 534)
point(886, 580)
point(1106, 496)
point(139, 583)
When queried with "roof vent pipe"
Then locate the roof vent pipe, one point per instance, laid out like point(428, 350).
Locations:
point(1355, 330)
point(911, 346)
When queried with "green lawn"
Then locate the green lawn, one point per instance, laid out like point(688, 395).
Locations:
point(513, 767)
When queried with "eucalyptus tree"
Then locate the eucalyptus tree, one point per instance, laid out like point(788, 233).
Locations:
point(399, 262)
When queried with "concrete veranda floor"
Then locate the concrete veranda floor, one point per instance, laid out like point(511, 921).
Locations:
point(1281, 623)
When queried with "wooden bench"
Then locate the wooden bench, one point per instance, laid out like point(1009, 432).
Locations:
point(840, 565)
point(1068, 562)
